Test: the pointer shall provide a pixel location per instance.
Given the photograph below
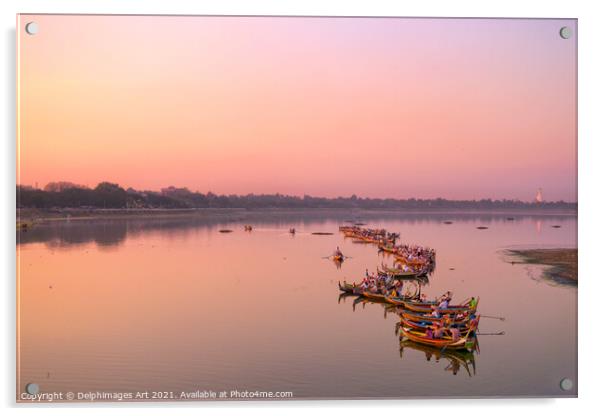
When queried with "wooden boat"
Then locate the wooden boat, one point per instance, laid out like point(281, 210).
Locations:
point(248, 228)
point(426, 307)
point(463, 327)
point(379, 297)
point(396, 273)
point(349, 288)
point(292, 230)
point(387, 249)
point(466, 342)
point(413, 263)
point(399, 300)
point(421, 317)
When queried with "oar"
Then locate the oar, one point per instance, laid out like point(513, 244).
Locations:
point(501, 318)
point(491, 333)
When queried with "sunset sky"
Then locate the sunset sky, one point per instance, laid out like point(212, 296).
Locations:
point(378, 107)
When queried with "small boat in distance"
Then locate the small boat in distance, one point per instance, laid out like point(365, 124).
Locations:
point(292, 231)
point(248, 228)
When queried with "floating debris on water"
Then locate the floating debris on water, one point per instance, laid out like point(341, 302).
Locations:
point(321, 233)
point(448, 222)
point(452, 268)
point(225, 231)
point(482, 228)
point(556, 226)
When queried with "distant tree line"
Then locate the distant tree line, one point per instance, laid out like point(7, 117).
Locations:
point(111, 195)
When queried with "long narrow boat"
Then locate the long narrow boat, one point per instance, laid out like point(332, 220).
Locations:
point(387, 249)
point(467, 342)
point(426, 307)
point(349, 288)
point(464, 327)
point(413, 262)
point(398, 300)
point(379, 297)
point(420, 317)
point(396, 273)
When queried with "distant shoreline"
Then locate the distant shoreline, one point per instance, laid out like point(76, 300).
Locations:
point(561, 262)
point(33, 215)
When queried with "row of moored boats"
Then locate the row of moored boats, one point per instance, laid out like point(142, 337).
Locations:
point(437, 323)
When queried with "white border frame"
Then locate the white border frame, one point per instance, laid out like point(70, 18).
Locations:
point(590, 135)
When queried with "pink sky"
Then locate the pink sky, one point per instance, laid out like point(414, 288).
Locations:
point(451, 108)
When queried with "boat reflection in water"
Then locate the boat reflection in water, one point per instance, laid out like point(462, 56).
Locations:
point(456, 359)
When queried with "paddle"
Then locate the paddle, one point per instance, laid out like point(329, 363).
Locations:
point(492, 333)
point(501, 318)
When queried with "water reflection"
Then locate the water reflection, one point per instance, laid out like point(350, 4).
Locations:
point(456, 359)
point(109, 232)
point(168, 305)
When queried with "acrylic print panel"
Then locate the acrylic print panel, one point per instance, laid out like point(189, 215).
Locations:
point(280, 208)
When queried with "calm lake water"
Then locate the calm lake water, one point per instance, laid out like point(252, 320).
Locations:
point(173, 305)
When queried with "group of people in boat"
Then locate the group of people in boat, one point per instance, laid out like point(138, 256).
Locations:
point(438, 330)
point(444, 303)
point(379, 235)
point(411, 258)
point(418, 269)
point(382, 284)
point(412, 255)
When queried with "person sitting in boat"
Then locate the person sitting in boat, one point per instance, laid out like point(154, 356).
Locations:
point(435, 313)
point(438, 330)
point(338, 252)
point(472, 303)
point(444, 304)
point(455, 333)
point(429, 333)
